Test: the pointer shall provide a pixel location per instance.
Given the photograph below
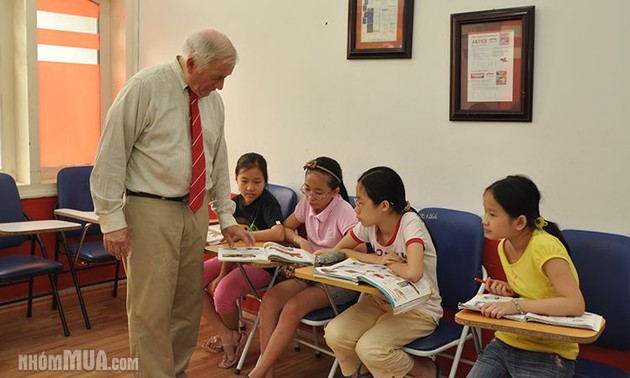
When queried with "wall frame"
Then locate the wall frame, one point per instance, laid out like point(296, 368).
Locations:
point(380, 29)
point(492, 65)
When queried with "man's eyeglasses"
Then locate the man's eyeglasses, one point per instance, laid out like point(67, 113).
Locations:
point(315, 195)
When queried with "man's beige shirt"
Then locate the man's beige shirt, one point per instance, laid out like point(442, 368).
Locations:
point(145, 146)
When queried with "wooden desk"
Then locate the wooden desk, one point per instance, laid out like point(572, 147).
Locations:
point(307, 273)
point(85, 216)
point(567, 334)
point(36, 227)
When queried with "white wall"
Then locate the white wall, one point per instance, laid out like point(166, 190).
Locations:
point(294, 96)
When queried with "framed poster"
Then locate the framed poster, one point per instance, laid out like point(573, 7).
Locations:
point(492, 65)
point(379, 29)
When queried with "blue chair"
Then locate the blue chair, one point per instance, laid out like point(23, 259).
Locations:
point(285, 196)
point(18, 268)
point(353, 201)
point(602, 261)
point(458, 239)
point(73, 191)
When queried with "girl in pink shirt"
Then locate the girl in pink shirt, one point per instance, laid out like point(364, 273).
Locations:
point(327, 215)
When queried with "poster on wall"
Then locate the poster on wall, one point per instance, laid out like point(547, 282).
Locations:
point(492, 65)
point(379, 29)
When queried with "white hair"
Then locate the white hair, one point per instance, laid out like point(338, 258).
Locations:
point(209, 45)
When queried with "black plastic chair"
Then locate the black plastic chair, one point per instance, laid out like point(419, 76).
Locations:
point(73, 191)
point(18, 268)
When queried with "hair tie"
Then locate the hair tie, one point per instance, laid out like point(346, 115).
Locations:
point(540, 223)
point(312, 164)
point(407, 207)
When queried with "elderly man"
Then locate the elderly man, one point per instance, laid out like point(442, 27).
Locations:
point(162, 157)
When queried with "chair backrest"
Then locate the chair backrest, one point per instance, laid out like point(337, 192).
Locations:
point(602, 261)
point(73, 191)
point(285, 196)
point(10, 209)
point(73, 188)
point(458, 239)
point(353, 201)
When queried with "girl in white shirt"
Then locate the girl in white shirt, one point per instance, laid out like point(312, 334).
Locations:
point(369, 332)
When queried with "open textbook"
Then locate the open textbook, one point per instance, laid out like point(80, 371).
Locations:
point(402, 294)
point(271, 251)
point(587, 321)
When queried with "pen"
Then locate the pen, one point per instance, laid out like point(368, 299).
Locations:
point(485, 281)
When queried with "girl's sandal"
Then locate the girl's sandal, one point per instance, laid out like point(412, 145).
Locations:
point(213, 345)
point(237, 345)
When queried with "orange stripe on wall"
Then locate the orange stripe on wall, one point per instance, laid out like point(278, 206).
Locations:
point(75, 7)
point(65, 38)
point(69, 113)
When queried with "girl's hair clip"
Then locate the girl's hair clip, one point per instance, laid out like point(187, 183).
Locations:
point(540, 223)
point(407, 207)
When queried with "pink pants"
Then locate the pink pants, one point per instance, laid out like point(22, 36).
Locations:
point(233, 285)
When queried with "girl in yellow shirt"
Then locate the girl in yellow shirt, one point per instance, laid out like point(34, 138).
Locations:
point(540, 276)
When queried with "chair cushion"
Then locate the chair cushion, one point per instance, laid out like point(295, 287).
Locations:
point(92, 251)
point(445, 333)
point(594, 369)
point(21, 266)
point(326, 313)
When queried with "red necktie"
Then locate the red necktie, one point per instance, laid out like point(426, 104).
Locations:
point(198, 178)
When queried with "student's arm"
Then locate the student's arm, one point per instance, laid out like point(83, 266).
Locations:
point(413, 269)
point(275, 234)
point(291, 236)
point(568, 300)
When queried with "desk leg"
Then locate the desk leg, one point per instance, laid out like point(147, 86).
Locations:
point(476, 332)
point(252, 289)
point(331, 300)
point(333, 368)
point(250, 337)
point(458, 352)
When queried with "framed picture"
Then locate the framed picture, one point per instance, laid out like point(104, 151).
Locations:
point(492, 65)
point(379, 29)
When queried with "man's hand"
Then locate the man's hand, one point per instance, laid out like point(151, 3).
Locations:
point(118, 243)
point(236, 233)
